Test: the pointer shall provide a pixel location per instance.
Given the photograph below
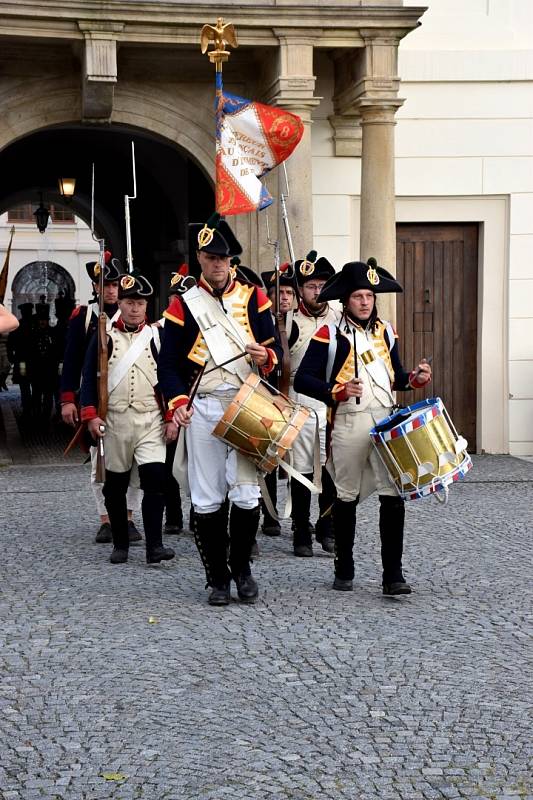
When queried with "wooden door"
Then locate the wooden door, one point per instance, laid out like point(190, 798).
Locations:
point(437, 314)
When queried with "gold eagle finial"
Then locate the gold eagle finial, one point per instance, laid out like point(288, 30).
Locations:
point(220, 34)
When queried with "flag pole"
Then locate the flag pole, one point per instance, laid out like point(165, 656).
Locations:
point(219, 35)
point(5, 268)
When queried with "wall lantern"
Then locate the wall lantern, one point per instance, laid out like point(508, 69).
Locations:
point(42, 215)
point(66, 188)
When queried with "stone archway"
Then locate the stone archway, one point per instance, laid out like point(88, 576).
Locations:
point(42, 278)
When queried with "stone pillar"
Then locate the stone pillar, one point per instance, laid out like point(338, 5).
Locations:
point(378, 213)
point(292, 88)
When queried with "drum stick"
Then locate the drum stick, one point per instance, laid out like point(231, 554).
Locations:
point(240, 355)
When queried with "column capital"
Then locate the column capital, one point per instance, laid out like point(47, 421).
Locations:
point(379, 111)
point(292, 82)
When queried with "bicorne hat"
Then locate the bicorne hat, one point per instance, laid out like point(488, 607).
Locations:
point(357, 275)
point(135, 286)
point(313, 268)
point(245, 274)
point(181, 281)
point(112, 269)
point(215, 236)
point(286, 276)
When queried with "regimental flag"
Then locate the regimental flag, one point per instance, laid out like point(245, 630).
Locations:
point(252, 138)
point(5, 268)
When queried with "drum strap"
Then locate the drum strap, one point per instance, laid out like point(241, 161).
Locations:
point(211, 318)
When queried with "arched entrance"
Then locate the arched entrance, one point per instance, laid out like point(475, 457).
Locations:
point(172, 189)
point(42, 279)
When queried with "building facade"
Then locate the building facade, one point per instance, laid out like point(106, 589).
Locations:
point(431, 175)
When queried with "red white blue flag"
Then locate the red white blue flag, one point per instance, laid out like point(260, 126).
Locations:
point(252, 138)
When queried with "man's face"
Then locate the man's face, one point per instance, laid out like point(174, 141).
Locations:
point(133, 310)
point(110, 292)
point(215, 268)
point(286, 298)
point(361, 304)
point(310, 291)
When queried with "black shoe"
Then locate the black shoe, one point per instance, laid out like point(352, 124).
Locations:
point(104, 535)
point(303, 550)
point(219, 595)
point(397, 587)
point(271, 529)
point(171, 529)
point(327, 543)
point(133, 534)
point(118, 556)
point(343, 584)
point(159, 554)
point(247, 588)
point(324, 534)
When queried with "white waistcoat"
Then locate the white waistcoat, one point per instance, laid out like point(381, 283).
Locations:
point(136, 389)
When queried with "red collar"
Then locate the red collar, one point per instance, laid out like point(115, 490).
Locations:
point(302, 308)
point(205, 285)
point(120, 326)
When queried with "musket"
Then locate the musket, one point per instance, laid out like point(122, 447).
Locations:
point(283, 370)
point(127, 199)
point(102, 362)
point(102, 369)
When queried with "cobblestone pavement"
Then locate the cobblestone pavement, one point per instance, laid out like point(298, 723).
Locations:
point(308, 694)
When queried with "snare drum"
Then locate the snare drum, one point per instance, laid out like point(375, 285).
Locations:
point(421, 449)
point(261, 423)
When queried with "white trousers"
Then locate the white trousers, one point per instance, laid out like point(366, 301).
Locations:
point(134, 495)
point(354, 464)
point(215, 469)
point(303, 449)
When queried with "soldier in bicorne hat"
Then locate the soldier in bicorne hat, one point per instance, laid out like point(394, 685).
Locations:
point(311, 274)
point(134, 430)
point(354, 368)
point(81, 328)
point(287, 303)
point(225, 318)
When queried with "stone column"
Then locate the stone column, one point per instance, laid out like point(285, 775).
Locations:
point(292, 88)
point(378, 213)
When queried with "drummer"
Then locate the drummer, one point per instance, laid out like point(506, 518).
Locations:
point(359, 391)
point(207, 325)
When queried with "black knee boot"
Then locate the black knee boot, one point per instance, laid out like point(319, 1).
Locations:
point(173, 512)
point(344, 517)
point(114, 491)
point(152, 479)
point(243, 523)
point(391, 525)
point(324, 526)
point(271, 526)
point(211, 536)
point(301, 506)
